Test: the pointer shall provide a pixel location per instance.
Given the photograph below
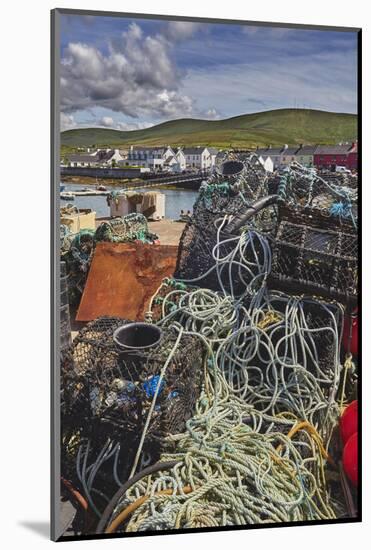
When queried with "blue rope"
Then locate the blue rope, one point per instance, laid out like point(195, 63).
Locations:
point(340, 209)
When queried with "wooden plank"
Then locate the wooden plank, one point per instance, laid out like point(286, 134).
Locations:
point(123, 277)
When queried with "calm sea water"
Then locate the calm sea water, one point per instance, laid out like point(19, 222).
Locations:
point(175, 201)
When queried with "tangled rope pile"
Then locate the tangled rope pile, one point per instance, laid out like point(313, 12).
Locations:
point(234, 466)
point(286, 356)
point(257, 447)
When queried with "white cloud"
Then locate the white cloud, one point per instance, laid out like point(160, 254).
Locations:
point(67, 122)
point(211, 114)
point(137, 77)
point(249, 30)
point(177, 31)
point(267, 32)
point(107, 122)
point(125, 126)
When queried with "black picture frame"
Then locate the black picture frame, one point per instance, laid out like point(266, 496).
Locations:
point(55, 269)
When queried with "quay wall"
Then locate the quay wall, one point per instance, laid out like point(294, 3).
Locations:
point(112, 173)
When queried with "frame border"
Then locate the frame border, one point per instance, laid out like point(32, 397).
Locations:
point(55, 529)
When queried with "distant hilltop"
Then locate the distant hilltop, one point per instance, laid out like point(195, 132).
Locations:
point(293, 126)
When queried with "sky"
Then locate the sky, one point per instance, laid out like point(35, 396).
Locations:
point(130, 74)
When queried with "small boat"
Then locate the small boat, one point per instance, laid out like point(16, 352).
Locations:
point(67, 195)
point(99, 186)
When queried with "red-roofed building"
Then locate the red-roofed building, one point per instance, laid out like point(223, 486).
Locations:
point(327, 156)
point(353, 157)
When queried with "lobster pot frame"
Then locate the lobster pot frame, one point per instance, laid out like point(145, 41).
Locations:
point(323, 202)
point(123, 229)
point(340, 179)
point(252, 177)
point(222, 195)
point(316, 261)
point(77, 252)
point(106, 396)
point(232, 265)
point(314, 217)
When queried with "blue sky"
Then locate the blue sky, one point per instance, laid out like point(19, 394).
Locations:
point(133, 73)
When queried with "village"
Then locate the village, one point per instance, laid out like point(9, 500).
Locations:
point(198, 158)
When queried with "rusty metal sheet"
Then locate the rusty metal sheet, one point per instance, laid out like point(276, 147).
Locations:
point(123, 277)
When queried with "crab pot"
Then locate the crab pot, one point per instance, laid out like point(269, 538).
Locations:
point(315, 261)
point(78, 258)
point(320, 321)
point(238, 183)
point(109, 379)
point(195, 255)
point(317, 204)
point(124, 229)
point(195, 259)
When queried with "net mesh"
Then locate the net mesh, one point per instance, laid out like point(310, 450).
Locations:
point(222, 195)
point(310, 259)
point(323, 201)
point(106, 395)
point(126, 228)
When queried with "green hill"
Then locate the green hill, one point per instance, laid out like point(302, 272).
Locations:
point(293, 126)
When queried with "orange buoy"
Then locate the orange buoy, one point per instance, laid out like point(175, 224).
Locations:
point(349, 421)
point(350, 458)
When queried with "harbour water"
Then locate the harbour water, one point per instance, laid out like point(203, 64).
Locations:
point(176, 200)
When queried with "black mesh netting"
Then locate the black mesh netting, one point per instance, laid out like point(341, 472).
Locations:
point(240, 180)
point(124, 229)
point(323, 201)
point(106, 395)
point(77, 252)
point(307, 259)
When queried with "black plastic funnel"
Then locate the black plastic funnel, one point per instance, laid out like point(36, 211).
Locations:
point(137, 336)
point(231, 168)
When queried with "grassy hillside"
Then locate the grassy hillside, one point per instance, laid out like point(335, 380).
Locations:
point(277, 127)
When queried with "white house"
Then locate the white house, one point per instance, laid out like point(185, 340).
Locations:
point(275, 154)
point(181, 158)
point(157, 158)
point(100, 157)
point(289, 154)
point(81, 161)
point(171, 160)
point(171, 164)
point(147, 157)
point(268, 164)
point(199, 158)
